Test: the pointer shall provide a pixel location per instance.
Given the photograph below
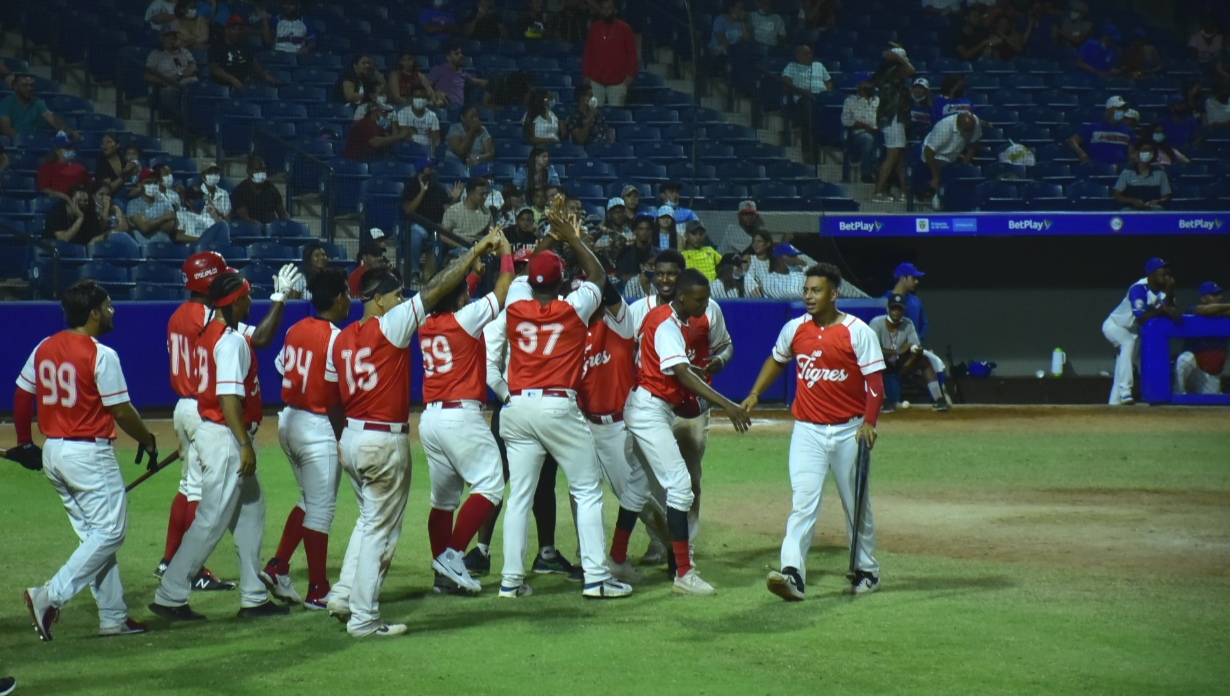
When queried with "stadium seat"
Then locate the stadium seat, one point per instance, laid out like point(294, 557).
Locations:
point(259, 274)
point(1098, 172)
point(247, 232)
point(998, 196)
point(390, 169)
point(289, 232)
point(272, 253)
point(348, 178)
point(759, 152)
point(715, 153)
point(107, 275)
point(1042, 195)
point(592, 170)
point(686, 172)
point(787, 171)
point(115, 253)
point(822, 189)
point(157, 273)
point(746, 173)
point(641, 170)
point(1091, 196)
point(167, 251)
point(145, 292)
point(660, 152)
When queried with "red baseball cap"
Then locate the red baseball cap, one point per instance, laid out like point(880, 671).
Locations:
point(522, 255)
point(146, 173)
point(546, 268)
point(235, 21)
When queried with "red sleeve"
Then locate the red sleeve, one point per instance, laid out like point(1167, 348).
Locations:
point(472, 283)
point(23, 415)
point(630, 52)
point(875, 396)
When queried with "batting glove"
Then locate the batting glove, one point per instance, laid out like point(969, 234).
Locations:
point(285, 281)
point(151, 450)
point(28, 455)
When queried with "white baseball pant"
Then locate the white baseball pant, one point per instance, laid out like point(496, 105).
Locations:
point(90, 484)
point(815, 450)
point(533, 425)
point(228, 501)
point(310, 447)
point(186, 420)
point(613, 445)
point(378, 465)
point(1126, 341)
point(691, 435)
point(613, 95)
point(650, 420)
point(937, 364)
point(460, 449)
point(1190, 379)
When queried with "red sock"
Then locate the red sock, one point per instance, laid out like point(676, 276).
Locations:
point(619, 545)
point(439, 529)
point(472, 516)
point(176, 525)
point(316, 547)
point(292, 534)
point(683, 559)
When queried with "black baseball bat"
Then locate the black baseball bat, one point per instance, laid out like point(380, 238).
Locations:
point(162, 465)
point(862, 469)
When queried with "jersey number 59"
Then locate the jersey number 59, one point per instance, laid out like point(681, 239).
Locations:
point(437, 355)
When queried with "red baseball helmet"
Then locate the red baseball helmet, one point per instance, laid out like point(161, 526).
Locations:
point(200, 270)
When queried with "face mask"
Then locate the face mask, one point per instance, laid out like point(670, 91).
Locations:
point(151, 190)
point(917, 98)
point(419, 103)
point(1118, 116)
point(70, 155)
point(593, 102)
point(212, 179)
point(259, 177)
point(1159, 137)
point(736, 276)
point(550, 104)
point(382, 99)
point(190, 14)
point(1145, 156)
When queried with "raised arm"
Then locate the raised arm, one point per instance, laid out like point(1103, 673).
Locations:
point(565, 229)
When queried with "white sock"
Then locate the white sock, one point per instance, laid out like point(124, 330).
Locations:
point(484, 549)
point(547, 551)
point(934, 388)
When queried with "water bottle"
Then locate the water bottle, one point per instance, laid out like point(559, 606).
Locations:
point(1058, 358)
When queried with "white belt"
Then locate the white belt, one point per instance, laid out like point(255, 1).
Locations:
point(454, 403)
point(551, 392)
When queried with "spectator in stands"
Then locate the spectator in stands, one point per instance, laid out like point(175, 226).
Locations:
point(903, 351)
point(514, 201)
point(974, 40)
point(231, 62)
point(668, 195)
point(588, 124)
point(373, 93)
point(1145, 186)
point(288, 32)
point(892, 79)
point(74, 220)
point(216, 197)
point(132, 174)
point(1131, 119)
point(160, 13)
point(858, 116)
point(112, 217)
point(60, 172)
point(818, 14)
point(167, 187)
point(1167, 153)
point(170, 68)
point(354, 84)
point(760, 255)
point(373, 135)
point(1207, 43)
point(610, 61)
point(538, 171)
point(1180, 125)
point(1075, 28)
point(111, 170)
point(668, 236)
point(1217, 107)
point(632, 200)
point(370, 257)
point(151, 214)
point(315, 259)
point(732, 280)
point(421, 122)
point(424, 202)
point(1100, 57)
point(523, 233)
point(215, 11)
point(768, 27)
point(920, 110)
point(942, 8)
point(952, 99)
point(438, 20)
point(484, 23)
point(540, 125)
point(780, 283)
point(450, 80)
point(200, 224)
point(537, 196)
point(256, 199)
point(614, 231)
point(534, 21)
point(468, 219)
point(698, 254)
point(729, 28)
point(1011, 43)
point(6, 75)
point(738, 235)
point(469, 141)
point(193, 29)
point(803, 79)
point(953, 138)
point(21, 112)
point(1107, 141)
point(405, 76)
point(640, 251)
point(1141, 58)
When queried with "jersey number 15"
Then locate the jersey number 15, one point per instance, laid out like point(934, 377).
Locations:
point(360, 375)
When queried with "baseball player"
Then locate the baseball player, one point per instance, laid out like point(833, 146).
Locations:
point(903, 352)
point(908, 277)
point(81, 394)
point(183, 330)
point(710, 349)
point(229, 403)
point(546, 349)
point(1198, 368)
point(373, 366)
point(667, 378)
point(308, 430)
point(1149, 297)
point(459, 445)
point(839, 368)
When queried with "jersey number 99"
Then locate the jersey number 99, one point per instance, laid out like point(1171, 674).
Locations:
point(360, 375)
point(60, 383)
point(437, 355)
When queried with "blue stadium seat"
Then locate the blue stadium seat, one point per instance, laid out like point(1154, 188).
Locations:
point(1073, 82)
point(1026, 83)
point(382, 202)
point(641, 170)
point(284, 111)
point(1052, 172)
point(982, 82)
point(272, 253)
point(157, 273)
point(715, 153)
point(746, 173)
point(348, 178)
point(1195, 173)
point(1001, 118)
point(1043, 195)
point(1091, 196)
point(246, 233)
point(823, 189)
point(998, 195)
point(1005, 171)
point(759, 152)
point(15, 208)
point(315, 77)
point(107, 275)
point(686, 172)
point(592, 170)
point(1033, 136)
point(1098, 172)
point(774, 189)
point(657, 115)
point(638, 133)
point(948, 65)
point(260, 273)
point(115, 253)
point(1057, 152)
point(145, 292)
point(661, 152)
point(566, 153)
point(289, 232)
point(99, 123)
point(787, 171)
point(309, 167)
point(167, 251)
point(392, 169)
point(732, 133)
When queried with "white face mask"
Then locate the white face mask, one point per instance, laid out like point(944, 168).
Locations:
point(381, 99)
point(593, 102)
point(1159, 137)
point(190, 14)
point(259, 177)
point(151, 190)
point(1145, 156)
point(212, 179)
point(419, 103)
point(168, 180)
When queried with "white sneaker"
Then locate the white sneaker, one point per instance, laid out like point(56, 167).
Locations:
point(607, 589)
point(882, 198)
point(280, 586)
point(385, 631)
point(128, 628)
point(623, 572)
point(692, 584)
point(785, 586)
point(863, 583)
point(451, 564)
point(522, 590)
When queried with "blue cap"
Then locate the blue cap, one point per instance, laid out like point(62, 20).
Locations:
point(785, 249)
point(907, 269)
point(1209, 288)
point(1113, 32)
point(61, 141)
point(484, 170)
point(423, 163)
point(1153, 264)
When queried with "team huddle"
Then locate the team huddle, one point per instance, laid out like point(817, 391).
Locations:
point(603, 390)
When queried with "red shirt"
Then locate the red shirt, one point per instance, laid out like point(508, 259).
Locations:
point(355, 279)
point(455, 352)
point(359, 143)
point(609, 372)
point(610, 53)
point(226, 366)
point(664, 344)
point(62, 176)
point(830, 365)
point(76, 379)
point(183, 332)
point(707, 335)
point(546, 343)
point(373, 364)
point(309, 379)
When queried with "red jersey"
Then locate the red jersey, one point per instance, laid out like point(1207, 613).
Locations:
point(309, 379)
point(707, 335)
point(830, 365)
point(546, 343)
point(226, 366)
point(455, 352)
point(664, 345)
point(183, 331)
point(609, 372)
point(76, 379)
point(373, 364)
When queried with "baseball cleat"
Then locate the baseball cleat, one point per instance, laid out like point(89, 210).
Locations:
point(162, 568)
point(128, 628)
point(940, 405)
point(786, 584)
point(385, 631)
point(266, 609)
point(655, 554)
point(556, 563)
point(280, 585)
point(451, 565)
point(692, 584)
point(206, 581)
point(338, 609)
point(477, 563)
point(317, 598)
point(863, 583)
point(522, 590)
point(624, 572)
point(180, 613)
point(443, 584)
point(7, 685)
point(41, 611)
point(607, 589)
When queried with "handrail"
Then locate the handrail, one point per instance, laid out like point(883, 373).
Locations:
point(44, 245)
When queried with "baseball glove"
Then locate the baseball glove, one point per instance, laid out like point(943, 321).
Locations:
point(28, 455)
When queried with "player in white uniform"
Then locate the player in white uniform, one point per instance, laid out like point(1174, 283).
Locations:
point(1149, 297)
point(839, 372)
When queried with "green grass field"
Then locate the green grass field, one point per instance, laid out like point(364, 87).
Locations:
point(1024, 552)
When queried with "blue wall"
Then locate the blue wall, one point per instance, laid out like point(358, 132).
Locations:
point(140, 340)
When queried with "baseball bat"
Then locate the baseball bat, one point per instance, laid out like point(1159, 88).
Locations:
point(862, 469)
point(162, 465)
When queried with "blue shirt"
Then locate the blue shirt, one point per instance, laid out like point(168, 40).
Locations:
point(914, 312)
point(1107, 142)
point(1098, 56)
point(1182, 133)
point(733, 31)
point(440, 18)
point(943, 106)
